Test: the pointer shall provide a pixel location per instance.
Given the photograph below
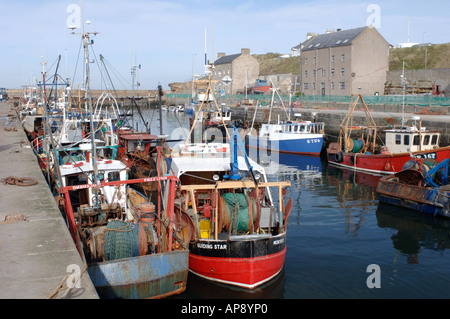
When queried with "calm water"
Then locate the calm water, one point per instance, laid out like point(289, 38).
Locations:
point(337, 228)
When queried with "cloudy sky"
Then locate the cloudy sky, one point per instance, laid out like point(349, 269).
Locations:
point(167, 38)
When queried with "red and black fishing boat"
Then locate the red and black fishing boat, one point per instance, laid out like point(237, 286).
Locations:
point(237, 235)
point(364, 152)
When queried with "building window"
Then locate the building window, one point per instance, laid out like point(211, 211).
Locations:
point(323, 72)
point(343, 57)
point(306, 73)
point(306, 86)
point(314, 60)
point(332, 85)
point(332, 72)
point(343, 71)
point(306, 61)
point(315, 73)
point(314, 85)
point(342, 85)
point(333, 59)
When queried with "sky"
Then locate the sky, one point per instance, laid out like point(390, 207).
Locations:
point(167, 38)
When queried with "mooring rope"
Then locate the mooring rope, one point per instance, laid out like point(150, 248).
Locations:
point(19, 181)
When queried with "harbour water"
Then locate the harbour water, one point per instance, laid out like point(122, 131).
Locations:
point(341, 242)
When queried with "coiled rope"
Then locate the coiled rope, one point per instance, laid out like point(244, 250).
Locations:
point(19, 181)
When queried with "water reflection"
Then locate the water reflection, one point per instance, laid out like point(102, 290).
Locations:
point(414, 231)
point(200, 288)
point(356, 195)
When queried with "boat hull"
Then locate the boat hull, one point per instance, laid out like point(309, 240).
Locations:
point(244, 261)
point(307, 145)
point(149, 276)
point(426, 200)
point(383, 163)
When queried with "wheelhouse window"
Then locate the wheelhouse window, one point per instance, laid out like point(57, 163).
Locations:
point(398, 139)
point(434, 140)
point(113, 176)
point(416, 140)
point(406, 140)
point(426, 140)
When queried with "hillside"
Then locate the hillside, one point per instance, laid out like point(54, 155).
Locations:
point(438, 56)
point(270, 63)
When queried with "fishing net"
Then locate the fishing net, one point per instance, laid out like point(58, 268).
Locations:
point(121, 240)
point(237, 207)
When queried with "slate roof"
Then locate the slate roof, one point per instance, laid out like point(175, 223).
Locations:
point(333, 39)
point(227, 59)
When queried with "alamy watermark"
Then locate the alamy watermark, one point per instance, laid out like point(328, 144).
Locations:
point(73, 280)
point(374, 279)
point(374, 18)
point(74, 19)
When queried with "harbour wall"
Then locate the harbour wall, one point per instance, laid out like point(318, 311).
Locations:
point(334, 117)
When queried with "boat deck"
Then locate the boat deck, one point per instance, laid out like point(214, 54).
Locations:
point(38, 252)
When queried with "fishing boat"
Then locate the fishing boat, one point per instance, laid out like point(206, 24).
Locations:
point(260, 87)
point(238, 236)
point(291, 137)
point(134, 245)
point(421, 186)
point(133, 248)
point(358, 145)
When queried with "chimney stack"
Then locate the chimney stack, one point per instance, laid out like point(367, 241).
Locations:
point(245, 51)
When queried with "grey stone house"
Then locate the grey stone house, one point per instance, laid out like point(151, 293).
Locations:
point(344, 62)
point(232, 73)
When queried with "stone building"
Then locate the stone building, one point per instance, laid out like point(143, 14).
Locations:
point(234, 72)
point(344, 62)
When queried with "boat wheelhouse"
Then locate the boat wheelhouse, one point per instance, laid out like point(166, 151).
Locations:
point(411, 139)
point(304, 138)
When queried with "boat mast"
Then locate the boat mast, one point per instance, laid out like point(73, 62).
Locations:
point(86, 42)
point(403, 99)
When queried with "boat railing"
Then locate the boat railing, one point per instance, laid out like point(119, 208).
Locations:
point(71, 216)
point(230, 185)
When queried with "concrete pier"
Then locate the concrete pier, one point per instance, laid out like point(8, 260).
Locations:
point(37, 252)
